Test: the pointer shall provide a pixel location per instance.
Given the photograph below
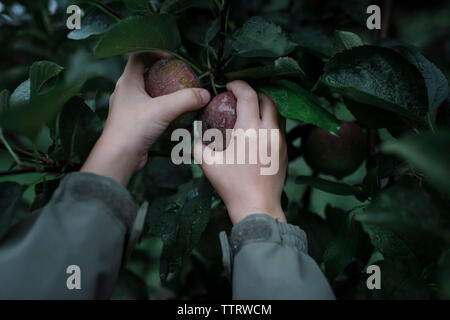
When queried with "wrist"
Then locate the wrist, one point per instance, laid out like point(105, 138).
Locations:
point(240, 212)
point(113, 157)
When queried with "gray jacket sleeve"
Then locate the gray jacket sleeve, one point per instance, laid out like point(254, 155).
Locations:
point(267, 259)
point(88, 224)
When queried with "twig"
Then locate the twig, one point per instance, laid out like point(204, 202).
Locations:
point(211, 75)
point(219, 5)
point(42, 169)
point(109, 9)
point(224, 11)
point(189, 62)
point(153, 7)
point(28, 169)
point(29, 154)
point(431, 124)
point(18, 171)
point(306, 198)
point(10, 150)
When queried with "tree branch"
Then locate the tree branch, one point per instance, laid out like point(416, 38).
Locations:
point(109, 9)
point(223, 35)
point(306, 198)
point(28, 154)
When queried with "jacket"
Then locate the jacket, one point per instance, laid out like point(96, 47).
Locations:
point(92, 222)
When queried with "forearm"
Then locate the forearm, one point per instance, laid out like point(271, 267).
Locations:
point(114, 156)
point(87, 223)
point(268, 260)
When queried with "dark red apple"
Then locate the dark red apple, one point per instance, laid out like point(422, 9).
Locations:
point(169, 75)
point(220, 113)
point(336, 156)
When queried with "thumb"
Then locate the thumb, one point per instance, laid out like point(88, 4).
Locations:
point(198, 149)
point(207, 157)
point(181, 101)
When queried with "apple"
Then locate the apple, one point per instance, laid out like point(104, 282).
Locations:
point(332, 155)
point(167, 76)
point(220, 113)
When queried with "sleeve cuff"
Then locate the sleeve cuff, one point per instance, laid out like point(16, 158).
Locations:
point(260, 228)
point(85, 186)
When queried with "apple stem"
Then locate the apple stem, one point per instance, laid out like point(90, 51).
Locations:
point(207, 73)
point(107, 9)
point(10, 150)
point(192, 64)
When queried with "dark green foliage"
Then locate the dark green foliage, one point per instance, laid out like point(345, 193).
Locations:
point(320, 64)
point(11, 206)
point(180, 220)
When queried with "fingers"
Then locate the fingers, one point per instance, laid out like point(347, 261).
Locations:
point(135, 66)
point(137, 63)
point(206, 156)
point(269, 112)
point(179, 102)
point(247, 103)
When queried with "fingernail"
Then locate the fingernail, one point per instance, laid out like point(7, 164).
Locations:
point(205, 96)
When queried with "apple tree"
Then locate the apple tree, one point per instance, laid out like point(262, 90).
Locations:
point(367, 125)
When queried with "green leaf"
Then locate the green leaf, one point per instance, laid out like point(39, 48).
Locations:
point(437, 84)
point(137, 5)
point(411, 214)
point(93, 24)
point(27, 116)
point(318, 230)
point(344, 40)
point(380, 77)
point(177, 6)
point(338, 188)
point(379, 168)
point(4, 101)
point(283, 66)
point(400, 268)
point(342, 249)
point(314, 40)
point(21, 95)
point(40, 73)
point(260, 38)
point(11, 207)
point(159, 177)
point(42, 109)
point(294, 102)
point(203, 31)
point(179, 221)
point(79, 128)
point(426, 152)
point(139, 34)
point(43, 192)
point(373, 117)
point(388, 243)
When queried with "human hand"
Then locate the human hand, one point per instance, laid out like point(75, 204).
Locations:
point(135, 120)
point(242, 187)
